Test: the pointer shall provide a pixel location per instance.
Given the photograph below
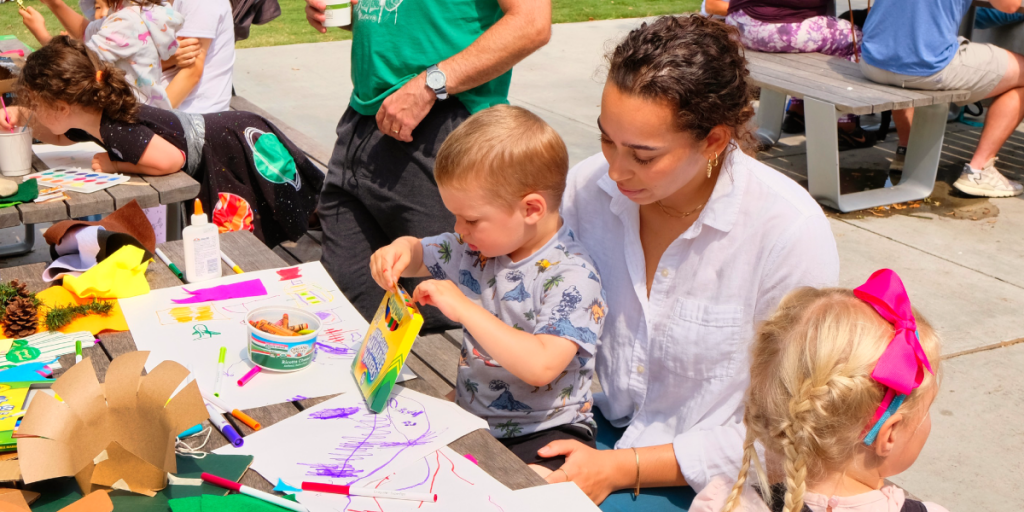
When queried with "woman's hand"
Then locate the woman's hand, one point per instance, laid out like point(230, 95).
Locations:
point(597, 472)
point(101, 163)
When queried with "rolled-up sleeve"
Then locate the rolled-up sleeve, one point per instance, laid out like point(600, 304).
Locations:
point(715, 445)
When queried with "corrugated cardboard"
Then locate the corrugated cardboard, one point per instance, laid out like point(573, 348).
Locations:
point(116, 435)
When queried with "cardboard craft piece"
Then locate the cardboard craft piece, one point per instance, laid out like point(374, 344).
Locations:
point(129, 418)
point(97, 501)
point(13, 500)
point(10, 471)
point(55, 296)
point(128, 219)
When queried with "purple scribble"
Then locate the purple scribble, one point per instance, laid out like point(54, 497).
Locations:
point(410, 413)
point(409, 423)
point(331, 414)
point(297, 398)
point(333, 470)
point(335, 351)
point(323, 315)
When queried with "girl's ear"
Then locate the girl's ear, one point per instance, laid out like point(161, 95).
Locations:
point(887, 435)
point(534, 207)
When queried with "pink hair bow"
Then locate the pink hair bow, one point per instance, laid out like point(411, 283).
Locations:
point(901, 367)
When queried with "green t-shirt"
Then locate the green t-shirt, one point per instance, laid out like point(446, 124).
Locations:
point(395, 40)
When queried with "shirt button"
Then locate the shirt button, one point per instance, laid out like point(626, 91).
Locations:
point(640, 368)
point(664, 272)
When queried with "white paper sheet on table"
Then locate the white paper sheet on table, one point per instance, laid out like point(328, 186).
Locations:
point(460, 486)
point(559, 497)
point(182, 333)
point(76, 155)
point(343, 442)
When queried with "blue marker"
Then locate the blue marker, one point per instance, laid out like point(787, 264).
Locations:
point(229, 432)
point(191, 432)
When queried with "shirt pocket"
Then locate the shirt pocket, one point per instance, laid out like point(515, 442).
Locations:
point(704, 340)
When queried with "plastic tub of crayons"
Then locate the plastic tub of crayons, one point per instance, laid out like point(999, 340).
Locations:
point(282, 339)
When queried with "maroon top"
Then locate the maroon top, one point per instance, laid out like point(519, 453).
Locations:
point(779, 11)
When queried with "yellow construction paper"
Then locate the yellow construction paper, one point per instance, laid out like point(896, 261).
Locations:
point(59, 296)
point(121, 275)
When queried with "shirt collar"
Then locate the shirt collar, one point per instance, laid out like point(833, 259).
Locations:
point(723, 206)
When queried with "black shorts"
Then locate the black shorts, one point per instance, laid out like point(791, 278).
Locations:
point(525, 447)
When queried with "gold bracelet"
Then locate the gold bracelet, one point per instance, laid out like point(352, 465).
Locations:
point(636, 489)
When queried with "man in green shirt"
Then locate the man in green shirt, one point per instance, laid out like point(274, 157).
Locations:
point(419, 69)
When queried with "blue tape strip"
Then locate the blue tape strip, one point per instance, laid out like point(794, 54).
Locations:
point(873, 433)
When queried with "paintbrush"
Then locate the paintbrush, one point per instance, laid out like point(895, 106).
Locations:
point(6, 116)
point(27, 123)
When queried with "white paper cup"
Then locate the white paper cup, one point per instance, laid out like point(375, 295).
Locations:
point(339, 13)
point(16, 152)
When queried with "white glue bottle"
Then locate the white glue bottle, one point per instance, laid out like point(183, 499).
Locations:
point(202, 248)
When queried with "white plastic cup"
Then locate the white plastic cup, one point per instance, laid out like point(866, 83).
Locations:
point(16, 152)
point(338, 13)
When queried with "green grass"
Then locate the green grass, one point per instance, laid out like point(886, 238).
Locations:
point(291, 27)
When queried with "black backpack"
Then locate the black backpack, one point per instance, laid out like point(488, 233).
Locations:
point(779, 500)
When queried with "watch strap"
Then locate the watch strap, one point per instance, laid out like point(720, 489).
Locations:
point(441, 92)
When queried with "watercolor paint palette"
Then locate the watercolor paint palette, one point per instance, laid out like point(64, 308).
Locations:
point(77, 180)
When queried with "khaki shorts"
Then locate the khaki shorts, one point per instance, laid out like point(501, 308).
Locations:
point(976, 67)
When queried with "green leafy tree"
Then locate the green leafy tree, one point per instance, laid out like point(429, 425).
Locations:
point(471, 388)
point(509, 428)
point(553, 282)
point(565, 394)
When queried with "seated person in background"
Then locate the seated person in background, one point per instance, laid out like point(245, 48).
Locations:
point(256, 177)
point(913, 44)
point(136, 36)
point(515, 277)
point(986, 17)
point(800, 26)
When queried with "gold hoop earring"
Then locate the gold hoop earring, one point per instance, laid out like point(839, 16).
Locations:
point(712, 166)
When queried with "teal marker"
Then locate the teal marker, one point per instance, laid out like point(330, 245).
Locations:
point(192, 431)
point(167, 261)
point(219, 383)
point(78, 351)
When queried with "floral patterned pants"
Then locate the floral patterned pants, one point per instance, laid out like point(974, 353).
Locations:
point(822, 34)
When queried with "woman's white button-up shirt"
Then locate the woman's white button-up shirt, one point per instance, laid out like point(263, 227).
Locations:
point(674, 366)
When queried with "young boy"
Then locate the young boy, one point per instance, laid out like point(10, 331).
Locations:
point(514, 276)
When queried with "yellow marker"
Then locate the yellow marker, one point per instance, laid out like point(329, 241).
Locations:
point(236, 268)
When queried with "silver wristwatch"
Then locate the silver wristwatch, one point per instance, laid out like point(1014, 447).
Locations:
point(436, 80)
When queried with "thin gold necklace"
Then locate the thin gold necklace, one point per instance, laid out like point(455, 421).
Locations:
point(668, 211)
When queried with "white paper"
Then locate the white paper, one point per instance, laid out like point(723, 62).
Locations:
point(192, 334)
point(340, 441)
point(76, 155)
point(459, 484)
point(561, 497)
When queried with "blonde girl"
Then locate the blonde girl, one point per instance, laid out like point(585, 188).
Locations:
point(841, 383)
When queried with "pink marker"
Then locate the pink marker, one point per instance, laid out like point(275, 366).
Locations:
point(248, 376)
point(369, 492)
point(249, 491)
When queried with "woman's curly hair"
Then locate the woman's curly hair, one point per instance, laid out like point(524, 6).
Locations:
point(693, 63)
point(66, 71)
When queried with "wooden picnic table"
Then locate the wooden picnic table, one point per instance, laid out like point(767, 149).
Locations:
point(251, 254)
point(149, 191)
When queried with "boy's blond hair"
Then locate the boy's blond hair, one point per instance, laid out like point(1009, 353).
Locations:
point(811, 393)
point(507, 150)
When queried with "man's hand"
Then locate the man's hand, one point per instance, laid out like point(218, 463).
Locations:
point(101, 163)
point(403, 111)
point(388, 263)
point(315, 15)
point(446, 296)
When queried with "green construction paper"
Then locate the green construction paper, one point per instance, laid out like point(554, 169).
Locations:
point(193, 504)
point(27, 192)
point(61, 492)
point(238, 503)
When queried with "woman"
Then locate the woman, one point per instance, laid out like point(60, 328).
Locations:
point(696, 243)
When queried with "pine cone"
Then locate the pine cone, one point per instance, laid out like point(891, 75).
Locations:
point(21, 318)
point(21, 287)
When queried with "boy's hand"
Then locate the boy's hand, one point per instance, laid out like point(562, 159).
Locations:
point(388, 263)
point(101, 163)
point(33, 20)
point(444, 295)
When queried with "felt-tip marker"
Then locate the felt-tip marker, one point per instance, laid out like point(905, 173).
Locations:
point(219, 383)
point(222, 424)
point(236, 268)
point(241, 416)
point(167, 261)
point(78, 351)
point(369, 492)
point(249, 491)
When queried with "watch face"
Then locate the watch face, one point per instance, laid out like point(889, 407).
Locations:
point(435, 80)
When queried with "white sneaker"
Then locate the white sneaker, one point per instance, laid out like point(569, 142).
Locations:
point(987, 182)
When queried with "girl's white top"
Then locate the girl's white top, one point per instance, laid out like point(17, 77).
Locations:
point(674, 367)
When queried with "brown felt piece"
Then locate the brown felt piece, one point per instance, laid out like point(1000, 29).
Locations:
point(13, 499)
point(128, 219)
point(98, 501)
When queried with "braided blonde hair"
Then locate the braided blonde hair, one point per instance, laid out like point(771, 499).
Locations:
point(811, 393)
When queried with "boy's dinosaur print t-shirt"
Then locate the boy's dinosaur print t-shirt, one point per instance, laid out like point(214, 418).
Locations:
point(555, 291)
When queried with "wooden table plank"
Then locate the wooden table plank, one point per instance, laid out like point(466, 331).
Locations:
point(9, 217)
point(426, 373)
point(174, 188)
point(136, 189)
point(440, 355)
point(770, 79)
point(806, 83)
point(38, 213)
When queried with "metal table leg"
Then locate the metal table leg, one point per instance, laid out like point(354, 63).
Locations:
point(919, 171)
point(770, 112)
point(23, 247)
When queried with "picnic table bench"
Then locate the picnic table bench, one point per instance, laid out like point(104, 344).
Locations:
point(251, 254)
point(831, 86)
